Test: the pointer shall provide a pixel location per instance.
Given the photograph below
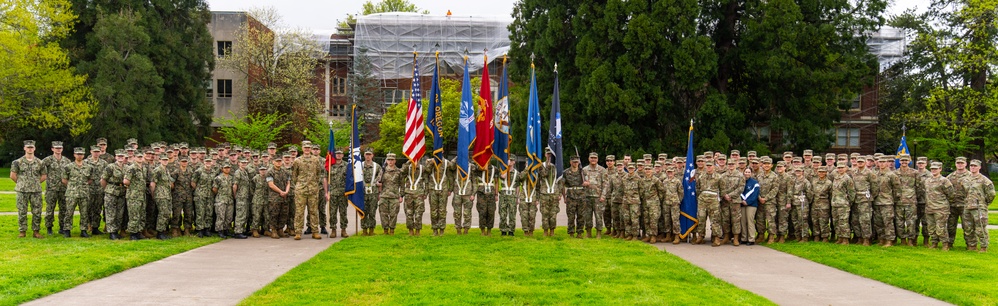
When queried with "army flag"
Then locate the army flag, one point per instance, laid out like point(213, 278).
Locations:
point(534, 149)
point(554, 126)
point(483, 122)
point(434, 121)
point(500, 145)
point(902, 149)
point(466, 124)
point(414, 146)
point(330, 158)
point(688, 208)
point(355, 174)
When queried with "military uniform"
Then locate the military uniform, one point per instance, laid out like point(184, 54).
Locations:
point(939, 192)
point(671, 199)
point(575, 196)
point(843, 193)
point(887, 187)
point(957, 203)
point(709, 200)
point(909, 192)
point(415, 177)
point(732, 184)
point(550, 187)
point(861, 219)
point(78, 178)
point(337, 198)
point(486, 197)
point(801, 194)
point(203, 198)
point(980, 192)
point(651, 187)
point(95, 199)
point(224, 200)
point(135, 198)
point(507, 201)
point(243, 179)
point(163, 197)
point(440, 188)
point(55, 191)
point(769, 183)
point(631, 207)
point(464, 193)
point(783, 199)
point(259, 202)
point(280, 178)
point(821, 207)
point(921, 224)
point(612, 196)
point(306, 172)
point(592, 208)
point(391, 193)
point(114, 195)
point(183, 198)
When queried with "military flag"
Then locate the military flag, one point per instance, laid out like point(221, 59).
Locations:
point(902, 149)
point(414, 144)
point(534, 149)
point(554, 126)
point(466, 124)
point(434, 121)
point(500, 145)
point(355, 175)
point(330, 158)
point(688, 208)
point(484, 121)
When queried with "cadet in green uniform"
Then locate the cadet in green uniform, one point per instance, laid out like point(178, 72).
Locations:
point(801, 195)
point(938, 195)
point(709, 200)
point(550, 187)
point(76, 177)
point(337, 200)
point(821, 207)
point(464, 197)
point(909, 190)
point(224, 188)
point(182, 198)
point(391, 195)
point(372, 173)
point(486, 198)
point(95, 199)
point(592, 209)
point(114, 194)
point(440, 189)
point(279, 182)
point(415, 177)
point(529, 202)
point(259, 207)
point(888, 187)
point(507, 198)
point(980, 192)
point(843, 193)
point(305, 175)
point(162, 184)
point(651, 187)
point(203, 197)
point(957, 203)
point(574, 197)
point(137, 185)
point(55, 190)
point(244, 189)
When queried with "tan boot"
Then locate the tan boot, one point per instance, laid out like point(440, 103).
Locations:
point(274, 234)
point(599, 235)
point(946, 247)
point(316, 236)
point(735, 241)
point(716, 242)
point(971, 248)
point(675, 239)
point(332, 233)
point(783, 239)
point(37, 235)
point(698, 240)
point(22, 234)
point(255, 234)
point(772, 239)
point(343, 233)
point(297, 236)
point(417, 232)
point(628, 238)
point(646, 239)
point(866, 241)
point(983, 250)
point(726, 238)
point(589, 233)
point(391, 232)
point(933, 245)
point(654, 240)
point(889, 243)
point(759, 239)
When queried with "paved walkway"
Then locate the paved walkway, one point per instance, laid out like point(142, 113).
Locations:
point(223, 273)
point(790, 280)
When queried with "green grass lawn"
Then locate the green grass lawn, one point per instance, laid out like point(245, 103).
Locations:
point(994, 204)
point(993, 218)
point(476, 270)
point(8, 202)
point(33, 268)
point(957, 276)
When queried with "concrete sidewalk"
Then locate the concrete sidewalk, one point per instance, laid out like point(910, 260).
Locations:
point(790, 280)
point(223, 273)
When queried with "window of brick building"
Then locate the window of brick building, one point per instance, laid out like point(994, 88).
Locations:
point(847, 137)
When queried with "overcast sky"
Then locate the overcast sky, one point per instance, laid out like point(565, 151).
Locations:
point(321, 16)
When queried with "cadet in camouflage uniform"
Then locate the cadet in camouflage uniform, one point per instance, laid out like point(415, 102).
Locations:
point(980, 192)
point(631, 203)
point(162, 184)
point(95, 199)
point(464, 197)
point(843, 193)
point(137, 185)
point(337, 200)
point(574, 197)
point(909, 192)
point(76, 177)
point(801, 194)
point(372, 173)
point(709, 200)
point(783, 202)
point(415, 175)
point(55, 190)
point(486, 198)
point(861, 219)
point(732, 184)
point(651, 188)
point(244, 190)
point(203, 197)
point(306, 174)
point(259, 203)
point(888, 187)
point(391, 195)
point(920, 223)
point(323, 194)
point(528, 199)
point(610, 189)
point(821, 207)
point(671, 199)
point(114, 194)
point(279, 183)
point(440, 189)
point(224, 187)
point(958, 202)
point(592, 209)
point(769, 183)
point(550, 186)
point(938, 193)
point(289, 206)
point(507, 198)
point(183, 198)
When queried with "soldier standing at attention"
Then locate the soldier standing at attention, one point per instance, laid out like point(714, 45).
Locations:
point(709, 200)
point(631, 203)
point(909, 192)
point(938, 193)
point(243, 179)
point(888, 187)
point(528, 204)
point(486, 204)
point(843, 193)
point(76, 177)
point(305, 175)
point(114, 192)
point(783, 202)
point(323, 194)
point(162, 184)
point(821, 209)
point(606, 197)
point(224, 187)
point(464, 197)
point(769, 192)
point(957, 203)
point(651, 187)
point(862, 210)
point(801, 194)
point(438, 193)
point(732, 184)
point(137, 185)
point(507, 198)
point(415, 176)
point(95, 198)
point(921, 224)
point(183, 198)
point(203, 198)
point(259, 207)
point(337, 200)
point(551, 187)
point(279, 183)
point(592, 209)
point(55, 190)
point(574, 197)
point(671, 199)
point(372, 173)
point(391, 196)
point(980, 193)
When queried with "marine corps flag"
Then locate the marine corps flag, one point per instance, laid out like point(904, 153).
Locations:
point(500, 146)
point(483, 122)
point(355, 174)
point(688, 208)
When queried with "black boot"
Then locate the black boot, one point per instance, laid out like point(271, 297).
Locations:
point(202, 233)
point(136, 236)
point(308, 230)
point(162, 236)
point(221, 234)
point(323, 231)
point(66, 234)
point(511, 233)
point(239, 236)
point(502, 233)
point(84, 234)
point(114, 236)
point(96, 232)
point(50, 231)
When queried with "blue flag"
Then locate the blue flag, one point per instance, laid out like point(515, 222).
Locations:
point(500, 142)
point(466, 123)
point(554, 129)
point(902, 149)
point(534, 144)
point(688, 208)
point(434, 121)
point(355, 174)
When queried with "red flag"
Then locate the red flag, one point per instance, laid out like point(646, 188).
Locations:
point(414, 145)
point(484, 122)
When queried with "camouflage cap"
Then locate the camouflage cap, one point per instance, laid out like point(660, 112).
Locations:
point(390, 156)
point(707, 161)
point(129, 148)
point(798, 169)
point(255, 154)
point(286, 155)
point(265, 155)
point(975, 162)
point(209, 160)
point(766, 160)
point(184, 159)
point(94, 149)
point(631, 166)
point(699, 158)
point(338, 152)
point(29, 143)
point(293, 148)
point(788, 154)
point(132, 141)
point(548, 150)
point(829, 156)
point(708, 153)
point(593, 154)
point(822, 169)
point(57, 144)
point(226, 165)
point(656, 163)
point(861, 160)
point(842, 155)
point(816, 161)
point(905, 157)
point(368, 152)
point(742, 161)
point(164, 157)
point(243, 161)
point(575, 158)
point(663, 156)
point(936, 165)
point(646, 156)
point(183, 145)
point(611, 158)
point(781, 163)
point(841, 165)
point(261, 168)
point(878, 155)
point(797, 159)
point(854, 155)
point(140, 154)
point(79, 150)
point(101, 141)
point(271, 145)
point(721, 157)
point(512, 156)
point(923, 159)
point(735, 152)
point(961, 159)
point(751, 154)
point(808, 152)
point(119, 152)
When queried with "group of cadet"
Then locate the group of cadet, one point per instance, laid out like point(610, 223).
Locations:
point(236, 192)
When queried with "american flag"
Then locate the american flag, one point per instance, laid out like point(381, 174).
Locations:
point(414, 146)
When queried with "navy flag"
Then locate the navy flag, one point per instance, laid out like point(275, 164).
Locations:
point(466, 124)
point(688, 208)
point(554, 129)
point(355, 174)
point(500, 143)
